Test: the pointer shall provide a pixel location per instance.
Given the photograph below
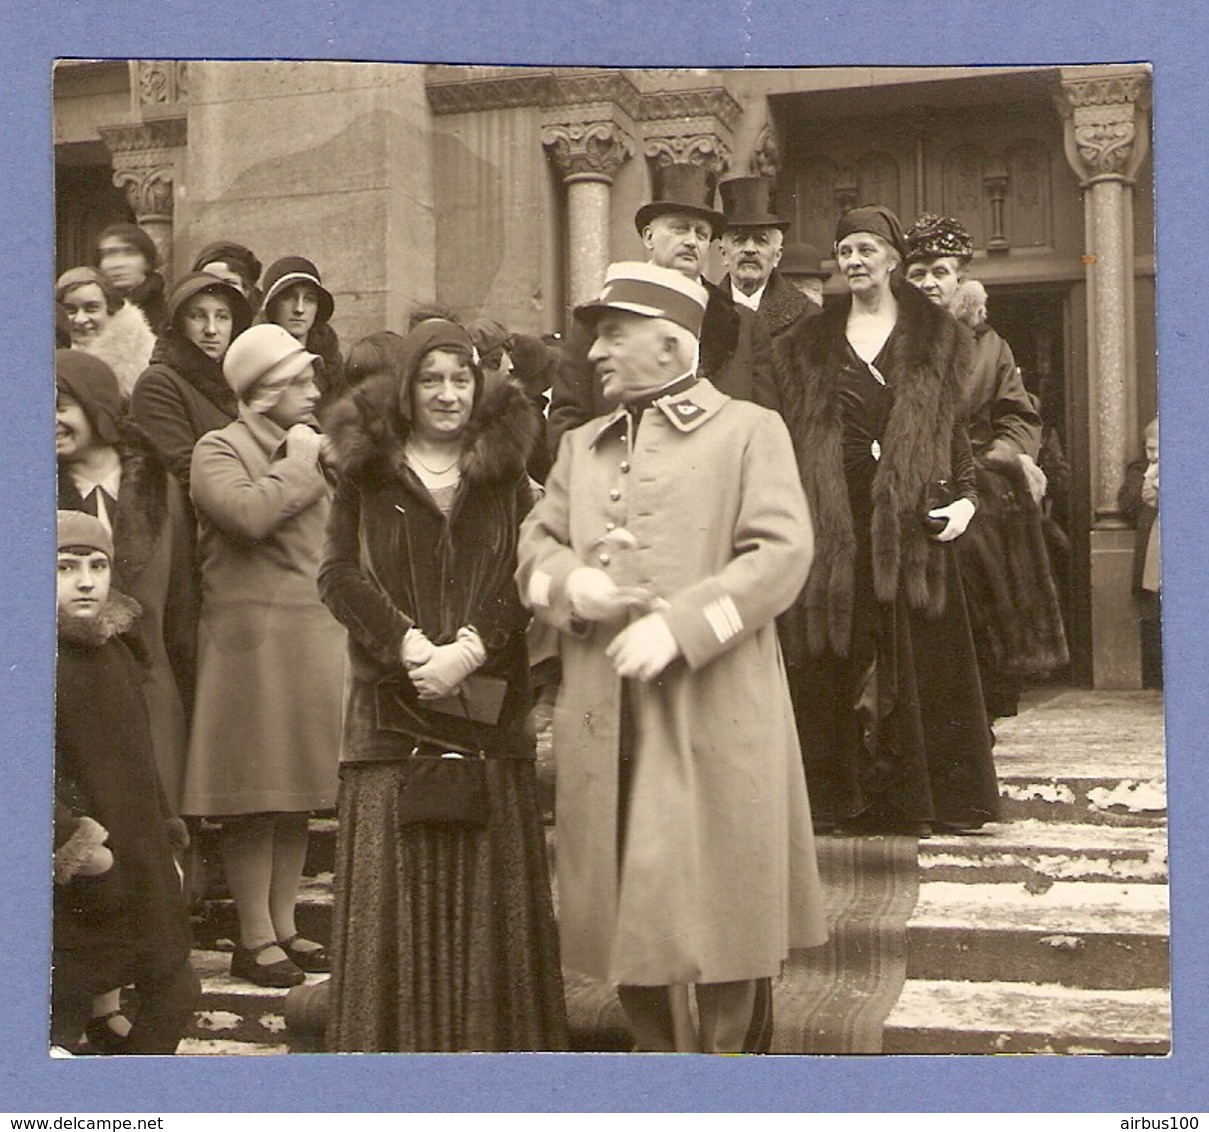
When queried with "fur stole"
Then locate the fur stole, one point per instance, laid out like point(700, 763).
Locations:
point(124, 346)
point(369, 433)
point(176, 354)
point(924, 361)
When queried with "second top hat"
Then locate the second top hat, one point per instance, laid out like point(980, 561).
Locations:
point(680, 187)
point(750, 202)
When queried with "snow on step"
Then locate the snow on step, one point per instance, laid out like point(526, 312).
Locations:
point(932, 1015)
point(213, 1048)
point(1065, 906)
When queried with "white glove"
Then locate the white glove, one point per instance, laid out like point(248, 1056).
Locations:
point(303, 443)
point(448, 666)
point(958, 515)
point(1034, 476)
point(641, 651)
point(594, 596)
point(416, 648)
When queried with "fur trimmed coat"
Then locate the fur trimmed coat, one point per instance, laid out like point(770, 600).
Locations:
point(394, 561)
point(883, 673)
point(124, 345)
point(153, 563)
point(130, 923)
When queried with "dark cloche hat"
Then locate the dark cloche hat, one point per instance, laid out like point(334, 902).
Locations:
point(802, 259)
point(293, 269)
point(750, 202)
point(680, 187)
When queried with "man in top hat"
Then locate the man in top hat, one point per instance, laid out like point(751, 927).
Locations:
point(676, 229)
point(752, 246)
point(671, 534)
point(803, 266)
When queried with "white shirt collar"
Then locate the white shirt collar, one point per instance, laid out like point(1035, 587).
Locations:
point(750, 301)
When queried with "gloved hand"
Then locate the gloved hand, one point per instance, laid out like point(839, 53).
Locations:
point(1035, 478)
point(957, 515)
point(448, 666)
point(594, 596)
point(641, 651)
point(416, 648)
point(303, 443)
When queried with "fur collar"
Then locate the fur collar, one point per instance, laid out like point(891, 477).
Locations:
point(174, 352)
point(116, 619)
point(142, 506)
point(781, 305)
point(369, 433)
point(925, 360)
point(125, 346)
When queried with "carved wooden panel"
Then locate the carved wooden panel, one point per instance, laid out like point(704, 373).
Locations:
point(1027, 212)
point(963, 194)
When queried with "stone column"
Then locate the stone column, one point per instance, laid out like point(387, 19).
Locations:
point(587, 152)
point(1106, 139)
point(146, 151)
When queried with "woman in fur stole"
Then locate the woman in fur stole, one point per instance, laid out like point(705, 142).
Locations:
point(105, 325)
point(444, 935)
point(882, 668)
point(1015, 614)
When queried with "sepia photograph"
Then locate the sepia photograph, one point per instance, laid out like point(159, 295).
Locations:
point(602, 559)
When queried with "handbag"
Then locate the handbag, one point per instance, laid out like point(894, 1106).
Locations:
point(443, 786)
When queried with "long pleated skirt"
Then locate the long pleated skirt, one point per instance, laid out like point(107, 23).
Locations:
point(444, 936)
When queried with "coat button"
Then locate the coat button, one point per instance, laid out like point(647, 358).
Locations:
point(610, 525)
point(615, 495)
point(625, 465)
point(604, 558)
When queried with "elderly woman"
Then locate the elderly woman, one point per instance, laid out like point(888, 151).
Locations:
point(883, 675)
point(182, 395)
point(105, 325)
point(265, 740)
point(296, 299)
point(444, 935)
point(1005, 566)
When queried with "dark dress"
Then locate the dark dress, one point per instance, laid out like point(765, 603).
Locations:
point(443, 934)
point(894, 733)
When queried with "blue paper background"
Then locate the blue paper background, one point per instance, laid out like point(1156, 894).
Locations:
point(644, 33)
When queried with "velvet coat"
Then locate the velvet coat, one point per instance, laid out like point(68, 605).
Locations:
point(392, 561)
point(927, 756)
point(736, 356)
point(717, 878)
point(270, 673)
point(153, 563)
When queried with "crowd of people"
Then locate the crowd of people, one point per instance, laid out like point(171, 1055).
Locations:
point(779, 563)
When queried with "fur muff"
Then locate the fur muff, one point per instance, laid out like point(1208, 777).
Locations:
point(369, 432)
point(124, 345)
point(924, 361)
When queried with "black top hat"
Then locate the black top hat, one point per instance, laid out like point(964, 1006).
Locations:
point(684, 188)
point(750, 202)
point(802, 259)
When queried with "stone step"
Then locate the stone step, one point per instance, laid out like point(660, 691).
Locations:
point(235, 1013)
point(942, 1016)
point(1090, 935)
point(1035, 851)
point(1095, 798)
point(219, 928)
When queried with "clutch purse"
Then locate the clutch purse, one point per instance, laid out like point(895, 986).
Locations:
point(443, 787)
point(465, 723)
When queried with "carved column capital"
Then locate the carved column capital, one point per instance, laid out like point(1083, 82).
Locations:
point(1106, 124)
point(587, 147)
point(687, 143)
point(766, 157)
point(144, 161)
point(159, 87)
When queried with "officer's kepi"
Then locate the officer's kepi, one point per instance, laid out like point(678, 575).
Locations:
point(651, 291)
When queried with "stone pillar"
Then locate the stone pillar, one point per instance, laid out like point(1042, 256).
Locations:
point(1106, 139)
point(147, 150)
point(586, 151)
